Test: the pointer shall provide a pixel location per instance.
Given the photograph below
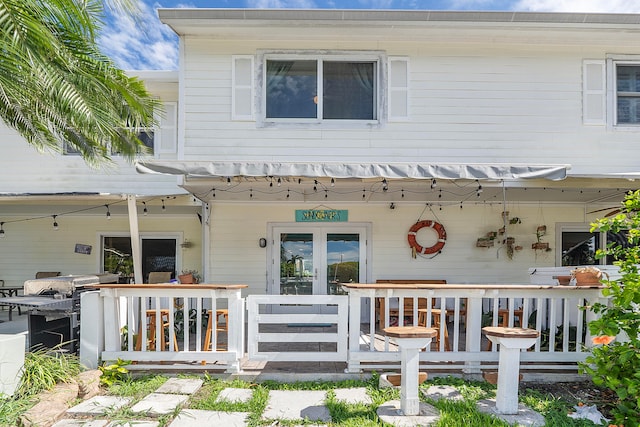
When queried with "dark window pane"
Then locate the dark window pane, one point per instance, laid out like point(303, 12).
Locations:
point(349, 89)
point(579, 248)
point(291, 89)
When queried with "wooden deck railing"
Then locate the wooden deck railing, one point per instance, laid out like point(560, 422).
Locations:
point(115, 324)
point(553, 310)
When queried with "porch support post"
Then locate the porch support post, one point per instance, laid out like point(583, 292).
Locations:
point(235, 329)
point(353, 366)
point(473, 331)
point(135, 238)
point(92, 330)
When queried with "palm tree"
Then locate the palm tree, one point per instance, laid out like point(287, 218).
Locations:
point(57, 89)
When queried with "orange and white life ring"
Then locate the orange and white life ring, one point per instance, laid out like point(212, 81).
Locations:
point(437, 227)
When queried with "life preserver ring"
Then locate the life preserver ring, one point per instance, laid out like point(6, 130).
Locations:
point(437, 227)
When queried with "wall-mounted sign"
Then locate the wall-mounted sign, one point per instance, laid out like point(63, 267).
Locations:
point(83, 249)
point(322, 215)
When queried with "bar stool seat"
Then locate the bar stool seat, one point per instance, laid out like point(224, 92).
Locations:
point(218, 328)
point(437, 314)
point(503, 320)
point(151, 329)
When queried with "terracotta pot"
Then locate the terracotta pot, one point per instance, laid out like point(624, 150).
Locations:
point(588, 278)
point(563, 280)
point(186, 278)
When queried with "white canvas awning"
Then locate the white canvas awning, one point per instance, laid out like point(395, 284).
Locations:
point(361, 170)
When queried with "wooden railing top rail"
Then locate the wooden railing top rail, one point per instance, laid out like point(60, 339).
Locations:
point(450, 286)
point(168, 286)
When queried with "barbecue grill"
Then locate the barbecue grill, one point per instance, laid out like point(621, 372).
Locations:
point(54, 308)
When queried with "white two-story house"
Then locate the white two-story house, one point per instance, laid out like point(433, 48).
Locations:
point(302, 148)
point(342, 145)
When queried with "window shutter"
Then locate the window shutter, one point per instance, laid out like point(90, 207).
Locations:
point(242, 88)
point(594, 87)
point(167, 138)
point(398, 89)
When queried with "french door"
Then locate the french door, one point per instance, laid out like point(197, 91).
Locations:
point(313, 259)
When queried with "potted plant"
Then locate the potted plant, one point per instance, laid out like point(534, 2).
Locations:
point(189, 276)
point(539, 244)
point(588, 276)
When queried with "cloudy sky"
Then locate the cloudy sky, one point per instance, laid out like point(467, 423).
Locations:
point(149, 45)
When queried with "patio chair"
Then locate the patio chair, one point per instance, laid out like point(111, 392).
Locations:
point(159, 277)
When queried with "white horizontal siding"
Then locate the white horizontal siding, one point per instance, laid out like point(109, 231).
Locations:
point(236, 257)
point(469, 103)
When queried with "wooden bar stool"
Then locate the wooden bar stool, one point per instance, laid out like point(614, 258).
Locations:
point(151, 329)
point(210, 326)
point(437, 314)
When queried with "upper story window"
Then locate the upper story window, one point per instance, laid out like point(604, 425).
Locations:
point(627, 94)
point(321, 89)
point(326, 88)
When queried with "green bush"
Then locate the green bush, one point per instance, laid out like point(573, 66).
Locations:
point(615, 361)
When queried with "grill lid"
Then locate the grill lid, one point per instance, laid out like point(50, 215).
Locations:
point(61, 284)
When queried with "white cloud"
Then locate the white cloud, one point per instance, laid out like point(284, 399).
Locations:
point(145, 44)
point(587, 6)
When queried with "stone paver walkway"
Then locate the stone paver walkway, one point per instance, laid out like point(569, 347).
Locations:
point(290, 405)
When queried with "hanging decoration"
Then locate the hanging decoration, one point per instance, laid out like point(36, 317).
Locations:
point(416, 248)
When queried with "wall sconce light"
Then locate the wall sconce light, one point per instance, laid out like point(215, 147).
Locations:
point(262, 242)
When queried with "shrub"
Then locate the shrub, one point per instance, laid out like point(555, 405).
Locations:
point(615, 360)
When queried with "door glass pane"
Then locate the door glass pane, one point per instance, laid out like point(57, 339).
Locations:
point(343, 261)
point(291, 89)
point(158, 255)
point(579, 248)
point(296, 264)
point(116, 256)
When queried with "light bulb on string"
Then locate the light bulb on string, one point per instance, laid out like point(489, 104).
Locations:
point(228, 181)
point(145, 211)
point(333, 182)
point(326, 194)
point(1, 230)
point(108, 213)
point(402, 193)
point(364, 193)
point(385, 186)
point(433, 183)
point(315, 185)
point(251, 193)
point(288, 195)
point(279, 182)
point(163, 206)
point(55, 223)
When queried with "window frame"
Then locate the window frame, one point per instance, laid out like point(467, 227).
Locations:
point(612, 63)
point(380, 70)
point(581, 228)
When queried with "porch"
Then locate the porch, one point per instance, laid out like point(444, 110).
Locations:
point(336, 336)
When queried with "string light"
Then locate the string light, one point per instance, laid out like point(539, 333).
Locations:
point(364, 193)
point(108, 213)
point(385, 186)
point(279, 182)
point(433, 183)
point(402, 193)
point(163, 206)
point(326, 194)
point(145, 211)
point(333, 182)
point(251, 193)
point(1, 229)
point(228, 181)
point(479, 190)
point(288, 195)
point(315, 185)
point(55, 223)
